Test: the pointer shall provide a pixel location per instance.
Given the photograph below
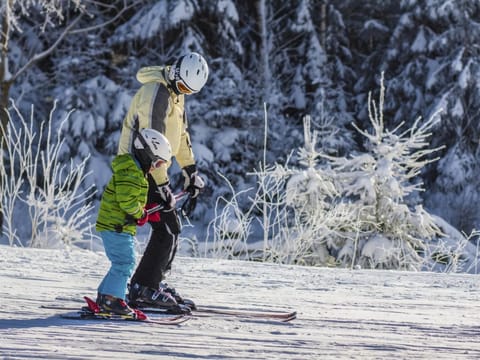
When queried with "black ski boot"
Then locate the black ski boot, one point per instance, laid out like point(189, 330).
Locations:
point(144, 297)
point(178, 298)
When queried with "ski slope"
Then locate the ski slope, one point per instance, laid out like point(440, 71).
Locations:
point(342, 314)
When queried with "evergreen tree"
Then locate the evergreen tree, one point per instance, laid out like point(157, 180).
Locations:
point(433, 61)
point(368, 25)
point(323, 72)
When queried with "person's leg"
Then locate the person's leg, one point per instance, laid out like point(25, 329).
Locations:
point(162, 245)
point(119, 248)
point(159, 253)
point(145, 283)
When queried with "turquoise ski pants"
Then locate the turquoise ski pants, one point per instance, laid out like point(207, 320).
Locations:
point(119, 248)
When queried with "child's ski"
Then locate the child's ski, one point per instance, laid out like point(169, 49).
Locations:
point(93, 312)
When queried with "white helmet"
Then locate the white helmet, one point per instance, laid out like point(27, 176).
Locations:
point(189, 73)
point(155, 144)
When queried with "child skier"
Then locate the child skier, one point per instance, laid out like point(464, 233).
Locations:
point(122, 208)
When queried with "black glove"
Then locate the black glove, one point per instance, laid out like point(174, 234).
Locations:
point(189, 206)
point(167, 196)
point(193, 182)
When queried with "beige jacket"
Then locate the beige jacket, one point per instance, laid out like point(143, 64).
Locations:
point(156, 106)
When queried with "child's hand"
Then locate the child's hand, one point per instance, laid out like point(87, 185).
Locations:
point(153, 217)
point(143, 220)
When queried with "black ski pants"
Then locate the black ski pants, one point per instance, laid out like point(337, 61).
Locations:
point(162, 245)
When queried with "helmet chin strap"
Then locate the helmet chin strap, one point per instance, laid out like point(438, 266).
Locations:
point(145, 156)
point(148, 152)
point(143, 159)
point(175, 90)
point(170, 76)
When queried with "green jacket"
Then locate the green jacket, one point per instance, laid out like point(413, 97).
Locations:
point(126, 193)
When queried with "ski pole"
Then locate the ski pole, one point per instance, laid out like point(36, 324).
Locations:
point(131, 221)
point(159, 207)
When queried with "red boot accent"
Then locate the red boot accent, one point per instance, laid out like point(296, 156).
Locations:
point(92, 305)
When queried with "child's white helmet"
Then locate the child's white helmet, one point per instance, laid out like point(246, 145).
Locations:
point(155, 144)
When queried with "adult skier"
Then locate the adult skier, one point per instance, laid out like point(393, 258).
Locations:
point(122, 208)
point(159, 105)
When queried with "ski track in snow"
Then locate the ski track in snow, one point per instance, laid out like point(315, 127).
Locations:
point(342, 314)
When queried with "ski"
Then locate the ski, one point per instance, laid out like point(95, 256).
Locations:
point(210, 311)
point(93, 312)
point(87, 315)
point(281, 316)
point(203, 311)
point(242, 313)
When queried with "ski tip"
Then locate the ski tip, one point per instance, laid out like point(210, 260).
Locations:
point(290, 318)
point(140, 315)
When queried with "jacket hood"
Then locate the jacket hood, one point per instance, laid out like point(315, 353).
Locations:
point(151, 74)
point(124, 162)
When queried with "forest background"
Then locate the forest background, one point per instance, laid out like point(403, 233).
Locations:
point(275, 60)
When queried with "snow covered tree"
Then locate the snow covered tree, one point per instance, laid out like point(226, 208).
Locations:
point(367, 26)
point(31, 32)
point(382, 188)
point(323, 70)
point(304, 212)
point(434, 58)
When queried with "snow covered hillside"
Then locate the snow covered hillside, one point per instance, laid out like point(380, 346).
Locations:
point(354, 314)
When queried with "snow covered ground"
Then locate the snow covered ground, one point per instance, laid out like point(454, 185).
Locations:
point(342, 314)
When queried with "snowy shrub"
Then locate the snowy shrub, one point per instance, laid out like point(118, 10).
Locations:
point(358, 211)
point(380, 186)
point(231, 228)
point(293, 217)
point(453, 251)
point(309, 217)
point(41, 197)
